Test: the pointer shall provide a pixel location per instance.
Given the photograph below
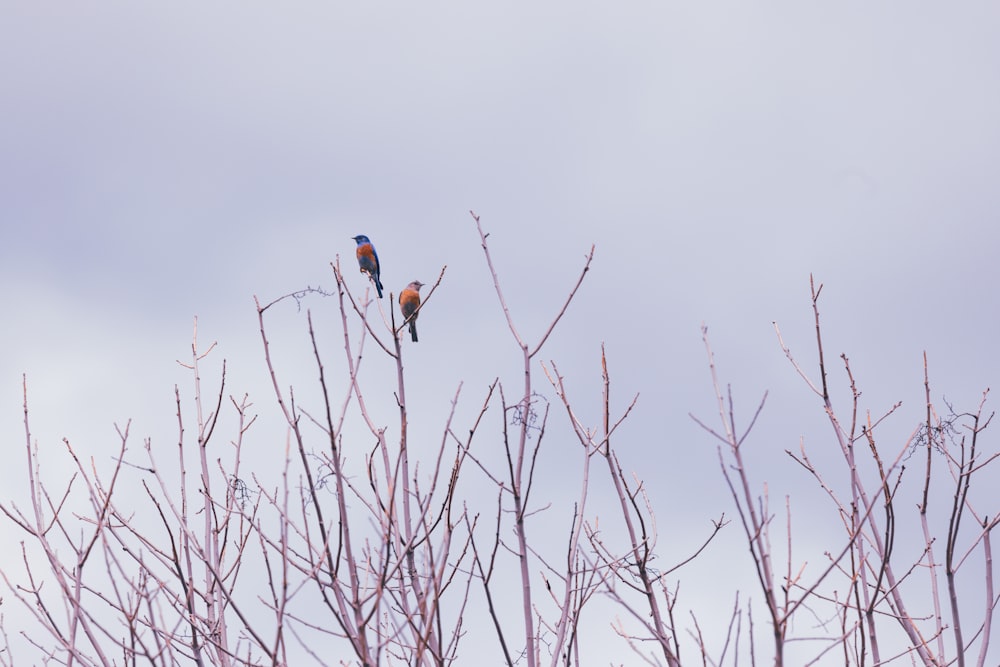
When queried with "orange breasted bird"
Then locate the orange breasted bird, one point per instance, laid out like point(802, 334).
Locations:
point(409, 301)
point(368, 261)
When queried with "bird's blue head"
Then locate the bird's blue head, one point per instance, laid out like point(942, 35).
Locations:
point(361, 239)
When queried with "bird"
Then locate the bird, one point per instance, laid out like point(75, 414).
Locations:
point(368, 261)
point(409, 301)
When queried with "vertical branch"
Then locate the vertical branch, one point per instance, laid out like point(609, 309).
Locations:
point(819, 336)
point(754, 527)
point(641, 542)
point(963, 481)
point(346, 610)
point(418, 619)
point(575, 588)
point(520, 484)
point(359, 630)
point(211, 556)
point(929, 430)
point(518, 490)
point(990, 600)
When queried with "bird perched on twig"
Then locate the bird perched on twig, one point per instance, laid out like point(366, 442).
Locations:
point(409, 301)
point(368, 261)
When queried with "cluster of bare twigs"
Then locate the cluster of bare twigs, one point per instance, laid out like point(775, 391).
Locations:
point(380, 559)
point(153, 584)
point(588, 566)
point(886, 605)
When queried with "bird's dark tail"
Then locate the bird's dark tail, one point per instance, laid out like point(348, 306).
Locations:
point(413, 331)
point(378, 286)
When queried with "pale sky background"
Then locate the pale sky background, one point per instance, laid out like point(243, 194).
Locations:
point(160, 163)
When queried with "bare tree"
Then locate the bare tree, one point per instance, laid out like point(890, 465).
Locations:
point(361, 548)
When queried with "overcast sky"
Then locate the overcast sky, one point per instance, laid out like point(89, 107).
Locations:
point(160, 163)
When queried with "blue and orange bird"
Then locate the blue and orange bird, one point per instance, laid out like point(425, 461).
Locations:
point(368, 261)
point(409, 301)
